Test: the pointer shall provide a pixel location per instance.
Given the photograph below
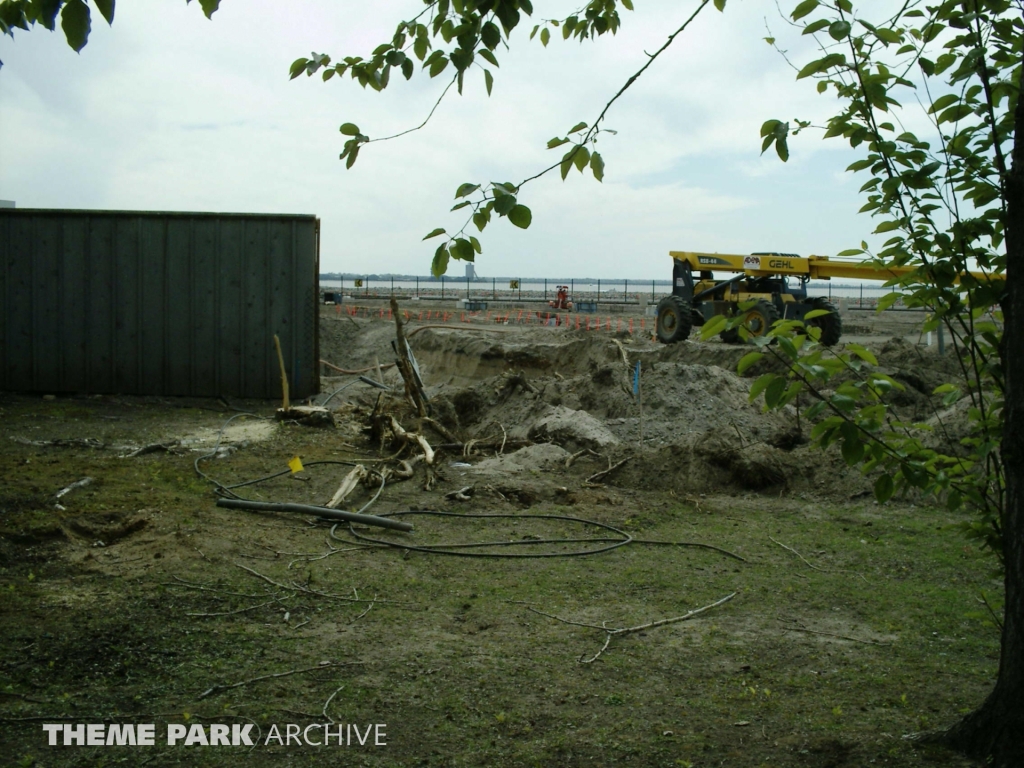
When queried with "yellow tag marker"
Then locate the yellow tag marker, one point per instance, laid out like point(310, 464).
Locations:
point(295, 465)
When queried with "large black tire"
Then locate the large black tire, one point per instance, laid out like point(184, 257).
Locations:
point(831, 325)
point(674, 320)
point(758, 320)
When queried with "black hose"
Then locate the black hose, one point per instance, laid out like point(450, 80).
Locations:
point(443, 549)
point(311, 509)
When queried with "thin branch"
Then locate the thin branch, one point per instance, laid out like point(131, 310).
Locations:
point(323, 665)
point(809, 564)
point(629, 630)
point(421, 125)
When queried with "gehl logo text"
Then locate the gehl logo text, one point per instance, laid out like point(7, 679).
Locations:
point(780, 264)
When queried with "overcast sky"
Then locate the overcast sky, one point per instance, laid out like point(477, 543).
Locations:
point(169, 111)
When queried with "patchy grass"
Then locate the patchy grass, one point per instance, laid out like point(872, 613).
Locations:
point(827, 665)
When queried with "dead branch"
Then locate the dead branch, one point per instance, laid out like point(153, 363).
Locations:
point(78, 484)
point(327, 703)
point(358, 370)
point(372, 603)
point(348, 484)
point(413, 437)
point(412, 387)
point(831, 634)
point(241, 610)
point(440, 429)
point(322, 665)
point(605, 472)
point(151, 448)
point(809, 564)
point(629, 630)
point(572, 459)
point(691, 544)
point(463, 494)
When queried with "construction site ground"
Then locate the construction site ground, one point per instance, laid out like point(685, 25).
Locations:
point(135, 599)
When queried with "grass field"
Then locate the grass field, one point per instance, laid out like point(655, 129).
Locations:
point(852, 624)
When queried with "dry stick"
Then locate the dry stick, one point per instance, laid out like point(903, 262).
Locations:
point(284, 376)
point(357, 618)
point(328, 718)
point(604, 472)
point(504, 437)
point(213, 589)
point(243, 610)
point(441, 429)
point(810, 565)
point(348, 371)
point(413, 437)
point(348, 484)
point(628, 630)
point(221, 688)
point(831, 634)
point(569, 461)
point(691, 544)
point(412, 389)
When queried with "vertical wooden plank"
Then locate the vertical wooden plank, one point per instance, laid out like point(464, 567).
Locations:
point(203, 313)
point(126, 310)
point(18, 307)
point(73, 305)
point(178, 300)
point(279, 275)
point(258, 356)
point(230, 307)
point(154, 309)
point(102, 299)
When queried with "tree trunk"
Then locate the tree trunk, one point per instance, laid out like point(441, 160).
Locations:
point(994, 730)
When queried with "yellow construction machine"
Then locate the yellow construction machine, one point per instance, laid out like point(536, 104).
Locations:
point(777, 282)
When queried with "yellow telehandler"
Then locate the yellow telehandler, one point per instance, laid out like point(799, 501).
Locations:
point(777, 282)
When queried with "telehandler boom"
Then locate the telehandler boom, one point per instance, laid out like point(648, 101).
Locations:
point(764, 278)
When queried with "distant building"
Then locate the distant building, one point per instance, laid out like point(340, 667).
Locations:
point(7, 204)
point(470, 272)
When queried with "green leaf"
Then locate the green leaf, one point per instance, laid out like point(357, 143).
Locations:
point(773, 392)
point(942, 102)
point(490, 35)
point(864, 354)
point(762, 381)
point(803, 9)
point(720, 5)
point(545, 37)
point(747, 360)
point(597, 166)
point(480, 219)
point(74, 20)
point(297, 68)
point(209, 7)
point(349, 129)
point(440, 263)
point(106, 7)
point(815, 26)
point(408, 68)
point(853, 449)
point(435, 233)
point(521, 216)
point(489, 57)
point(504, 203)
point(817, 313)
point(582, 158)
point(488, 80)
point(883, 488)
point(577, 127)
point(566, 163)
point(782, 148)
point(839, 30)
point(476, 244)
point(438, 65)
point(420, 47)
point(556, 142)
point(466, 189)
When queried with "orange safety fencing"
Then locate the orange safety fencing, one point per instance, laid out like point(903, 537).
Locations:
point(501, 317)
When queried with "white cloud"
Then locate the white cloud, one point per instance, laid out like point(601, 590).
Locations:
point(169, 111)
